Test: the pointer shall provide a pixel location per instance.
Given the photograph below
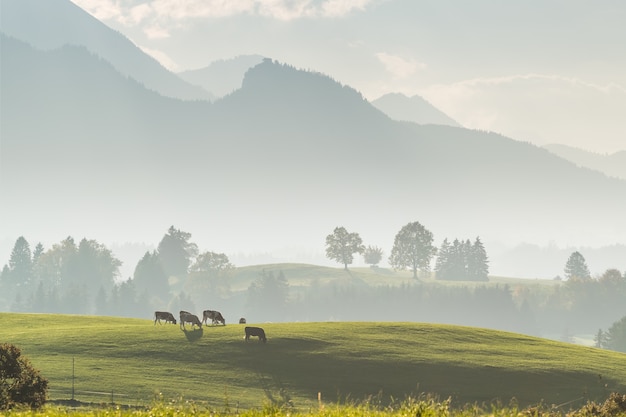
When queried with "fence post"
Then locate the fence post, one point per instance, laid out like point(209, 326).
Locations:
point(72, 378)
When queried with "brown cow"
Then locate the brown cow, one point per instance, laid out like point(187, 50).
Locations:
point(215, 316)
point(164, 315)
point(255, 331)
point(187, 317)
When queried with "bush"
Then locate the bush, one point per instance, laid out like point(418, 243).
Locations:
point(20, 383)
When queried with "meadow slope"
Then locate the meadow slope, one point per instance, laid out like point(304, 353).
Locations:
point(134, 361)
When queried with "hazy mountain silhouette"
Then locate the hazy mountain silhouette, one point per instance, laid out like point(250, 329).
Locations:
point(222, 77)
point(289, 152)
point(52, 24)
point(613, 165)
point(412, 109)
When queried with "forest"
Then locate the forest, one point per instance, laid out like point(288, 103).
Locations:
point(83, 278)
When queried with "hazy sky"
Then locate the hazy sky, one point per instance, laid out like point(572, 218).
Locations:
point(540, 71)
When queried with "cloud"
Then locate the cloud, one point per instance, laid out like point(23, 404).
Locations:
point(539, 108)
point(101, 9)
point(162, 57)
point(131, 13)
point(398, 66)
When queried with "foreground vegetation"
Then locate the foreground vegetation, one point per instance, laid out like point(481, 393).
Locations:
point(424, 406)
point(133, 361)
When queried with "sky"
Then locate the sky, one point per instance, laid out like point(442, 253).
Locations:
point(540, 71)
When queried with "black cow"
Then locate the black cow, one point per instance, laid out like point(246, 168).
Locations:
point(164, 315)
point(256, 331)
point(187, 317)
point(215, 316)
point(242, 320)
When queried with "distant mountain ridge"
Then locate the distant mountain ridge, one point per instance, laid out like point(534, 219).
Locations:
point(613, 165)
point(286, 157)
point(51, 24)
point(412, 109)
point(222, 77)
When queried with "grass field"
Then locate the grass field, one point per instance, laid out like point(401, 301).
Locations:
point(135, 362)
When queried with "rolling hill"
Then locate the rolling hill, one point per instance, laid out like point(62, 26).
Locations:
point(134, 361)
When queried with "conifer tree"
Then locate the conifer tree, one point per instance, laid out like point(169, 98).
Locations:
point(477, 262)
point(576, 267)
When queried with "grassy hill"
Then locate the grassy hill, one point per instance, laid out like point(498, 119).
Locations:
point(134, 361)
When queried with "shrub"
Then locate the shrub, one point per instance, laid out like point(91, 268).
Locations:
point(20, 383)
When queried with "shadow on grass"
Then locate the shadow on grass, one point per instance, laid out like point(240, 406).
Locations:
point(193, 335)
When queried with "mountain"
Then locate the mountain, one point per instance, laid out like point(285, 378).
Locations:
point(222, 77)
point(412, 109)
point(52, 24)
point(613, 165)
point(280, 161)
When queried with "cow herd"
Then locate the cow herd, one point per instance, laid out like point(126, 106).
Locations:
point(215, 317)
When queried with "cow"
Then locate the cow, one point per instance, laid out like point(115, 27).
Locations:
point(242, 320)
point(215, 316)
point(255, 331)
point(187, 317)
point(164, 315)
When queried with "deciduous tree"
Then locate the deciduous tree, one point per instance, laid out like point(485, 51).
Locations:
point(20, 383)
point(372, 255)
point(341, 246)
point(208, 276)
point(413, 248)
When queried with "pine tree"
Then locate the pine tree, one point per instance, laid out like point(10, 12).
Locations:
point(477, 262)
point(576, 267)
point(442, 266)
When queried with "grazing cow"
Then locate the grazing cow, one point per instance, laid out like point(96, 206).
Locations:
point(187, 317)
point(256, 331)
point(242, 320)
point(215, 316)
point(164, 315)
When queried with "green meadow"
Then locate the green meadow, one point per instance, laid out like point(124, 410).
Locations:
point(134, 362)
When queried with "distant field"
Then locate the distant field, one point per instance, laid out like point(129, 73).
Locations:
point(305, 274)
point(134, 361)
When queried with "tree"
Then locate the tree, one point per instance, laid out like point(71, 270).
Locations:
point(208, 276)
point(176, 252)
point(96, 266)
point(477, 262)
point(616, 336)
point(576, 267)
point(268, 295)
point(212, 263)
point(150, 277)
point(341, 246)
point(413, 248)
point(20, 383)
point(20, 272)
point(372, 255)
point(601, 339)
point(443, 263)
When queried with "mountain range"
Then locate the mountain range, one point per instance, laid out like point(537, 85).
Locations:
point(613, 165)
point(90, 148)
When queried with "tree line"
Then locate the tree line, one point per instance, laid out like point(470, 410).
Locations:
point(413, 249)
point(83, 278)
